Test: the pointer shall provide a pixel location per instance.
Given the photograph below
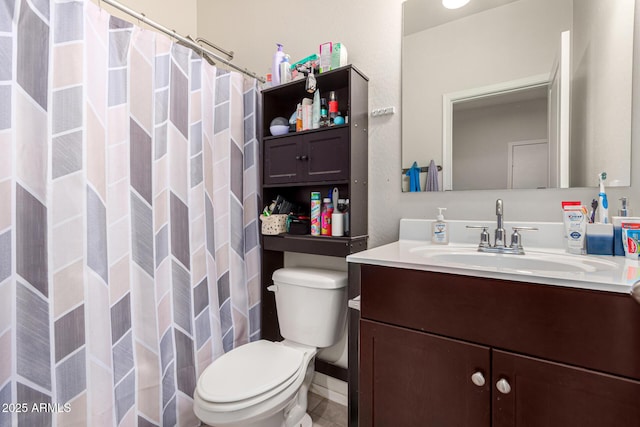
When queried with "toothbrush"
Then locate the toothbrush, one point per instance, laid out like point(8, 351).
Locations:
point(603, 212)
point(594, 208)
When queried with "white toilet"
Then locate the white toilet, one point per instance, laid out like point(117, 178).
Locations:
point(265, 383)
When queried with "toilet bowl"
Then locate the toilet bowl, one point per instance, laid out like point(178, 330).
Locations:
point(264, 383)
point(257, 384)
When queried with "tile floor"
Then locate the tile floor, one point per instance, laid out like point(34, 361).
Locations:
point(326, 413)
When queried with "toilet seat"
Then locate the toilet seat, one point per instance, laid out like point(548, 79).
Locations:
point(249, 375)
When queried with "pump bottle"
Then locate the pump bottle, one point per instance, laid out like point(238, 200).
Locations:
point(440, 229)
point(278, 57)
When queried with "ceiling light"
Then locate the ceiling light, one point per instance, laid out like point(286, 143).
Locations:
point(454, 4)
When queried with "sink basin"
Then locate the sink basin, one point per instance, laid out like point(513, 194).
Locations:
point(532, 262)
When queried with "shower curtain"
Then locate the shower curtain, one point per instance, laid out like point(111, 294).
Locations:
point(129, 255)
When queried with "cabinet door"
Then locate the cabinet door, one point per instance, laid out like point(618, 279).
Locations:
point(282, 161)
point(547, 394)
point(410, 378)
point(327, 155)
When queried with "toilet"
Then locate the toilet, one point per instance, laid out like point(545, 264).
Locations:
point(265, 383)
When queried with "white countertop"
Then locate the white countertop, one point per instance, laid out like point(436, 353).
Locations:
point(619, 275)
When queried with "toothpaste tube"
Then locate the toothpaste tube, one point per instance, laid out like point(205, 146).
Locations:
point(631, 240)
point(575, 226)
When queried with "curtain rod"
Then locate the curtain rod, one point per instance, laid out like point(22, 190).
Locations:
point(171, 33)
point(216, 47)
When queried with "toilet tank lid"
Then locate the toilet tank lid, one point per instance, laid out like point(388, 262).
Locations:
point(310, 277)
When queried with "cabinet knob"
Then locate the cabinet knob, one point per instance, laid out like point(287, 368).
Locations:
point(303, 157)
point(503, 386)
point(297, 157)
point(478, 379)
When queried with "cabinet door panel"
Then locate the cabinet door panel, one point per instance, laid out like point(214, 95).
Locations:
point(282, 161)
point(547, 394)
point(410, 378)
point(328, 155)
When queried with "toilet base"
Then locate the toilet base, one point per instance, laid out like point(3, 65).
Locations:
point(306, 421)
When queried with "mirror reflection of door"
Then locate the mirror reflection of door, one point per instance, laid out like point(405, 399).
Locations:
point(528, 164)
point(483, 132)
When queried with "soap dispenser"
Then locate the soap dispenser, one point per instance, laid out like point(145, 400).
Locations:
point(624, 210)
point(440, 230)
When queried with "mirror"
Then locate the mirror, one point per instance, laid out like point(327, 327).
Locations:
point(490, 87)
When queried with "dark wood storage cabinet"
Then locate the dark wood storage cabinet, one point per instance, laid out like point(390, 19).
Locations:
point(447, 350)
point(298, 163)
point(312, 157)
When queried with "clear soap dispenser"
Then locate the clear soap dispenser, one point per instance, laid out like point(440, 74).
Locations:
point(440, 230)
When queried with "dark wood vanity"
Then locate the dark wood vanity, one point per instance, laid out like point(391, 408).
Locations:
point(449, 350)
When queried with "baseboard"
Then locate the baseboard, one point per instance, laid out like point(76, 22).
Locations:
point(330, 388)
point(331, 370)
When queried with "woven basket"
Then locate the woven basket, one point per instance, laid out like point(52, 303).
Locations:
point(274, 224)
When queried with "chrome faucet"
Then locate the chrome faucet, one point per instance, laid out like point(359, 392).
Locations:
point(499, 244)
point(499, 234)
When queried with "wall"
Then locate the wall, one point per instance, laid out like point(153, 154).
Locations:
point(602, 35)
point(372, 32)
point(178, 16)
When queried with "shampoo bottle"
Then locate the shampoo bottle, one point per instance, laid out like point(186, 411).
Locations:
point(325, 217)
point(285, 70)
point(440, 230)
point(324, 113)
point(316, 208)
point(315, 117)
point(278, 57)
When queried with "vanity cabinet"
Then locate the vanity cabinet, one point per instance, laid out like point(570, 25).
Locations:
point(449, 350)
point(394, 392)
point(545, 393)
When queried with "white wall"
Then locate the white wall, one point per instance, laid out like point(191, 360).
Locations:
point(600, 97)
point(180, 16)
point(372, 32)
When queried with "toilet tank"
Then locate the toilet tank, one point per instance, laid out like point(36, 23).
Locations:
point(311, 304)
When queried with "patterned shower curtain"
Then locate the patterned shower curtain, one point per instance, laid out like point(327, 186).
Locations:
point(129, 255)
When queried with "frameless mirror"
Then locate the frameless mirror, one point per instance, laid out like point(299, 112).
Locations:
point(518, 93)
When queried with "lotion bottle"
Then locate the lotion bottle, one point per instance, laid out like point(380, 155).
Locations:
point(278, 57)
point(440, 230)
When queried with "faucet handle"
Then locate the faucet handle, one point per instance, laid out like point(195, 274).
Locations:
point(484, 235)
point(516, 238)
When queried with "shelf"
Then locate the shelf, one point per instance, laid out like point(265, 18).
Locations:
point(316, 245)
point(335, 78)
point(303, 132)
point(307, 184)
